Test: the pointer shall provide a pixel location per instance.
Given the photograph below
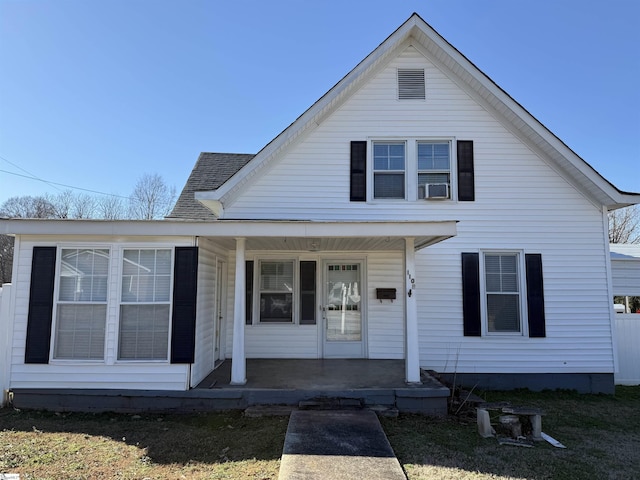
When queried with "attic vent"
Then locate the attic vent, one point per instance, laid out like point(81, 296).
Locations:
point(411, 84)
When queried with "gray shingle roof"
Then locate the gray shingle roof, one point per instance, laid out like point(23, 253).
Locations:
point(209, 173)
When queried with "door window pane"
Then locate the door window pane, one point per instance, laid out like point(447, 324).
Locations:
point(343, 303)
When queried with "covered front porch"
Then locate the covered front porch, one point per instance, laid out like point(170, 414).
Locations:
point(369, 255)
point(378, 384)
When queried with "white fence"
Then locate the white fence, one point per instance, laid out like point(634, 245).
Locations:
point(6, 334)
point(628, 338)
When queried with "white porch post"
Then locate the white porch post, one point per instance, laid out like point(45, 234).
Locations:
point(238, 362)
point(412, 350)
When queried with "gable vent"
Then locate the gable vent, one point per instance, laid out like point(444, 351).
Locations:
point(411, 84)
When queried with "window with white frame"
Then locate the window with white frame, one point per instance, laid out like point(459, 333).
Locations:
point(145, 304)
point(502, 292)
point(389, 165)
point(434, 169)
point(81, 306)
point(412, 169)
point(276, 287)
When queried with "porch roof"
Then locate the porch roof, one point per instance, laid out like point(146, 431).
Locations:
point(260, 234)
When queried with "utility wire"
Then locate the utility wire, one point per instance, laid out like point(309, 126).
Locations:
point(26, 171)
point(32, 177)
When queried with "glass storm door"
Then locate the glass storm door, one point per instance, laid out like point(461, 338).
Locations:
point(343, 332)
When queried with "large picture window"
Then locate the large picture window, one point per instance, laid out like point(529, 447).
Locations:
point(81, 309)
point(145, 304)
point(502, 285)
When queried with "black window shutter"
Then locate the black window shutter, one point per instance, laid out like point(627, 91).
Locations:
point(471, 294)
point(308, 293)
point(358, 171)
point(248, 279)
point(466, 182)
point(43, 271)
point(535, 295)
point(185, 283)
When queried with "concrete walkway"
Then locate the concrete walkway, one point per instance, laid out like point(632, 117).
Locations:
point(337, 445)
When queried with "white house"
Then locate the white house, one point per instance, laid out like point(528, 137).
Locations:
point(415, 212)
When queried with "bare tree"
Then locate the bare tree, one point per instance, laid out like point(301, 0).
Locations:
point(110, 208)
point(19, 207)
point(27, 207)
point(84, 206)
point(61, 203)
point(152, 198)
point(624, 225)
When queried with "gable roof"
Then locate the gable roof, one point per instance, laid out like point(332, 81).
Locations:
point(210, 171)
point(486, 92)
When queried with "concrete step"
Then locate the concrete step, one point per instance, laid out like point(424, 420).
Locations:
point(256, 411)
point(331, 403)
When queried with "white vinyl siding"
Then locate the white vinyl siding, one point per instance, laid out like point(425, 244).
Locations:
point(81, 307)
point(206, 304)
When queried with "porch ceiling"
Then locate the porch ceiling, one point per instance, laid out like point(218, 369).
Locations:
point(302, 235)
point(324, 244)
point(342, 236)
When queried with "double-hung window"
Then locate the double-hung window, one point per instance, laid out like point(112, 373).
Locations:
point(284, 291)
point(145, 304)
point(276, 281)
point(389, 167)
point(412, 169)
point(502, 289)
point(81, 310)
point(434, 170)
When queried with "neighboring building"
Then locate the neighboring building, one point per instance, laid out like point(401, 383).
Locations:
point(625, 272)
point(416, 211)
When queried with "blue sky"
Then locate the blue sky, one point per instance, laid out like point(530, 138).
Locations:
point(94, 94)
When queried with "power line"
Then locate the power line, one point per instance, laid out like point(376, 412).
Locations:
point(32, 177)
point(26, 171)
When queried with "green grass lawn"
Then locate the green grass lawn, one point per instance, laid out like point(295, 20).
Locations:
point(602, 435)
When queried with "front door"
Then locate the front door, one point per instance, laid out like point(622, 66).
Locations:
point(342, 310)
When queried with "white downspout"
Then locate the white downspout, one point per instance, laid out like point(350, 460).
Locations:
point(412, 354)
point(238, 360)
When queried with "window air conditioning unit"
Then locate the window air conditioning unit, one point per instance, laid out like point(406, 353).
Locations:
point(434, 191)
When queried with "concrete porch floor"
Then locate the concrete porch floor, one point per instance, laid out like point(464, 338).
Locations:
point(318, 374)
